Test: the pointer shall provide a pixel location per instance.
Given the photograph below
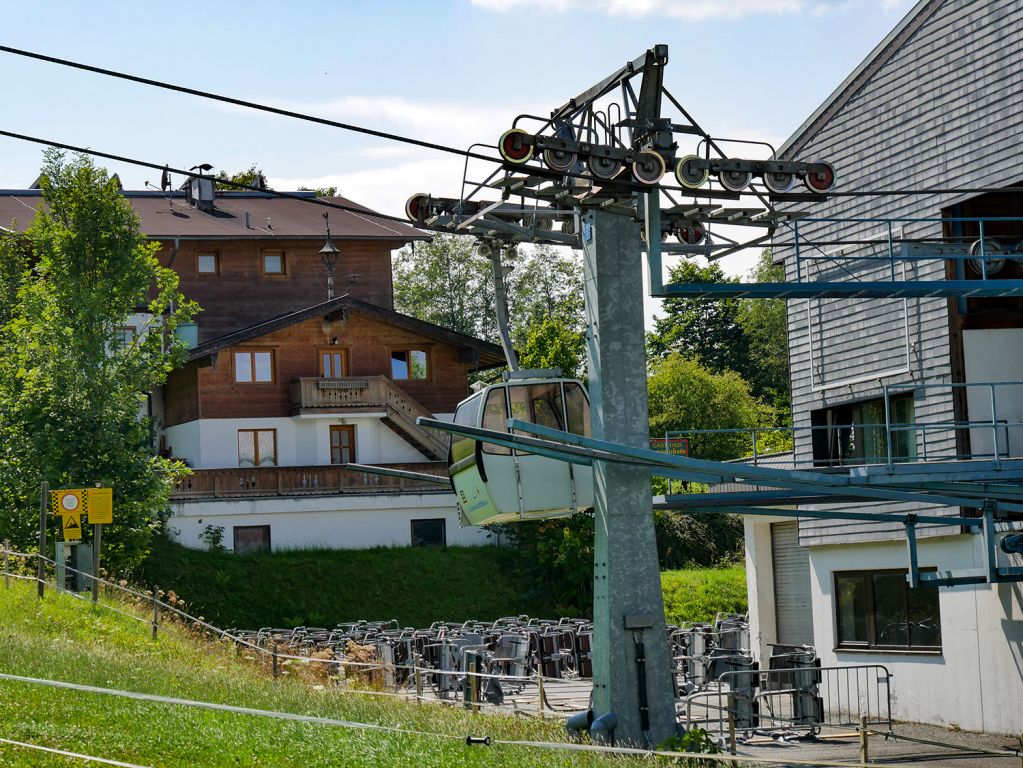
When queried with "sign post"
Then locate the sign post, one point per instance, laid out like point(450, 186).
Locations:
point(100, 503)
point(44, 493)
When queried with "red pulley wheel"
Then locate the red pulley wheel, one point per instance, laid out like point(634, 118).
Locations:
point(690, 235)
point(415, 205)
point(513, 146)
point(821, 177)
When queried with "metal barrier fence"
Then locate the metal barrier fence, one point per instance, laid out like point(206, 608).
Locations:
point(793, 700)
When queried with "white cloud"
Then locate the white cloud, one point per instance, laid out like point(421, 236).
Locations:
point(691, 10)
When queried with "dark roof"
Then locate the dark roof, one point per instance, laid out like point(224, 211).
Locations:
point(877, 58)
point(490, 355)
point(168, 214)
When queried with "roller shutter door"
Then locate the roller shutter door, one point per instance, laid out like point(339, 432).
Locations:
point(791, 585)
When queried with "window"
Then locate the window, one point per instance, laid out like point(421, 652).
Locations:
point(257, 447)
point(409, 364)
point(541, 404)
point(251, 538)
point(342, 444)
point(333, 363)
point(495, 417)
point(124, 336)
point(877, 609)
point(429, 533)
point(273, 263)
point(855, 433)
point(254, 366)
point(208, 263)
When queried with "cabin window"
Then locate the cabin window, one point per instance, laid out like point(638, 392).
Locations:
point(409, 364)
point(257, 447)
point(877, 609)
point(208, 263)
point(342, 444)
point(254, 366)
point(429, 533)
point(577, 408)
point(495, 417)
point(854, 433)
point(249, 539)
point(274, 263)
point(333, 363)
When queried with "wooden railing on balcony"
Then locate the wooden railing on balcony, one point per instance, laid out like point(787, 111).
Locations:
point(371, 393)
point(302, 481)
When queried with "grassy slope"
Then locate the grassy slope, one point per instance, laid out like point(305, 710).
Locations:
point(415, 586)
point(696, 595)
point(67, 639)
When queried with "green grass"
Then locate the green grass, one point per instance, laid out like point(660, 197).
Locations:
point(416, 586)
point(698, 594)
point(67, 639)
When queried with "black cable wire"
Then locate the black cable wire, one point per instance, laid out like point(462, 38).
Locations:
point(429, 144)
point(266, 190)
point(242, 103)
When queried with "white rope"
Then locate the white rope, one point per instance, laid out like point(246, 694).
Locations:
point(63, 753)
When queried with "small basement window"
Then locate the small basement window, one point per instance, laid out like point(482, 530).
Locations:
point(249, 539)
point(409, 364)
point(877, 609)
point(429, 533)
point(855, 433)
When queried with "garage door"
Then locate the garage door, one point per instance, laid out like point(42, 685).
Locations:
point(791, 585)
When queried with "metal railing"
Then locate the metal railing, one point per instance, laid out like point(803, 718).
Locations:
point(303, 481)
point(793, 700)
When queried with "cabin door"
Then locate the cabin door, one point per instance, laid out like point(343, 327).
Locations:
point(342, 444)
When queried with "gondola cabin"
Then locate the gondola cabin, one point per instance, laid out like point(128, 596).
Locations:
point(495, 484)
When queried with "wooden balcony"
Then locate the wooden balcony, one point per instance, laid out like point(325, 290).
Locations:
point(370, 394)
point(301, 481)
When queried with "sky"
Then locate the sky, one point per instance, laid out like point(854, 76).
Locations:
point(449, 71)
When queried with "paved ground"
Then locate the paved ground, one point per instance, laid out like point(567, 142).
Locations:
point(898, 750)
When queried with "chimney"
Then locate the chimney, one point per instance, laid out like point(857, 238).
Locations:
point(202, 193)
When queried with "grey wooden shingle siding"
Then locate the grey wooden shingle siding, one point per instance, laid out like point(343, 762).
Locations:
point(945, 111)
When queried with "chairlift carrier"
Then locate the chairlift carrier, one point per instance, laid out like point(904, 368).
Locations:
point(494, 484)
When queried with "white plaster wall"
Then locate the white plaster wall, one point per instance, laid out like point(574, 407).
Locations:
point(760, 584)
point(301, 441)
point(986, 358)
point(334, 522)
point(977, 679)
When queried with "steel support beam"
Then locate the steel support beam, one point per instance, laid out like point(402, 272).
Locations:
point(628, 607)
point(849, 290)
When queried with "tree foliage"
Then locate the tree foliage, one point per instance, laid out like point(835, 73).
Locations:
point(72, 387)
point(249, 177)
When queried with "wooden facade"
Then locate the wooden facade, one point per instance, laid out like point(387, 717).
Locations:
point(240, 293)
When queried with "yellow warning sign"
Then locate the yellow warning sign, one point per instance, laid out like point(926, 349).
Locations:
point(68, 501)
point(72, 526)
point(100, 505)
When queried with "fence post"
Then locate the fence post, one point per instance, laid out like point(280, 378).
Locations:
point(417, 663)
point(539, 685)
point(474, 694)
point(44, 493)
point(864, 749)
point(156, 611)
point(97, 533)
point(273, 663)
point(731, 724)
point(7, 579)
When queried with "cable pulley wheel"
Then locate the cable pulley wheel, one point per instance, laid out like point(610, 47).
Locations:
point(734, 181)
point(414, 205)
point(779, 182)
point(603, 167)
point(690, 235)
point(559, 159)
point(688, 175)
point(990, 264)
point(648, 167)
point(821, 178)
point(513, 147)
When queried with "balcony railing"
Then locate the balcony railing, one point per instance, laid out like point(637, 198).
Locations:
point(302, 481)
point(357, 394)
